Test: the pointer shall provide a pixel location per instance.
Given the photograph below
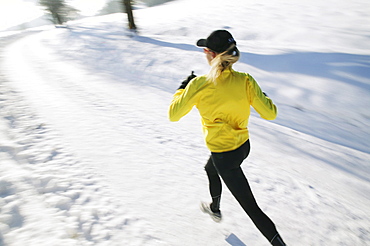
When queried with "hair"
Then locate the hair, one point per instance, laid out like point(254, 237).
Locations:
point(223, 61)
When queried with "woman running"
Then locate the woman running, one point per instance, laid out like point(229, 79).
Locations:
point(223, 98)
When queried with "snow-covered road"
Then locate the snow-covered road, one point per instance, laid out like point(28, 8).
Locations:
point(88, 156)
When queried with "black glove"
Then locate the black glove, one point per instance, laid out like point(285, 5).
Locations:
point(186, 81)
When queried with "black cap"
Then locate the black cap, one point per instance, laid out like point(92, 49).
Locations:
point(219, 41)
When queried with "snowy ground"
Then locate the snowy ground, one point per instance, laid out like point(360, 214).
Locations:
point(88, 156)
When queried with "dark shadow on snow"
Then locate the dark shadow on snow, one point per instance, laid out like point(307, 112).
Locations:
point(352, 69)
point(186, 47)
point(348, 68)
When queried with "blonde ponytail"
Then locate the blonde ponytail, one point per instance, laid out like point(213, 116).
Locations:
point(223, 61)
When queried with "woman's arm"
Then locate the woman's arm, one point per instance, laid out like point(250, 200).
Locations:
point(260, 102)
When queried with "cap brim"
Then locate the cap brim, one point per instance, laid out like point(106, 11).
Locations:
point(202, 43)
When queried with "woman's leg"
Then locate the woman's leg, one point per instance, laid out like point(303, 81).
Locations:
point(215, 186)
point(228, 166)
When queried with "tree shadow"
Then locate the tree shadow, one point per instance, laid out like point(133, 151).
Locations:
point(180, 46)
point(352, 69)
point(348, 68)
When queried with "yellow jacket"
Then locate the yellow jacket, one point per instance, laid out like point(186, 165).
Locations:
point(224, 107)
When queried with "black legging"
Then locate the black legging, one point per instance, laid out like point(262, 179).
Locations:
point(227, 165)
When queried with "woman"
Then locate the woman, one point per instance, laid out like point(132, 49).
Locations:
point(223, 98)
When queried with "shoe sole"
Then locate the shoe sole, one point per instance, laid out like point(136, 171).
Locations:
point(206, 209)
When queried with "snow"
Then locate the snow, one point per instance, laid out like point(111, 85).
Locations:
point(88, 156)
point(18, 12)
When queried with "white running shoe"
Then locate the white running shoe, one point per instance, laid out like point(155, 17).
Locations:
point(216, 216)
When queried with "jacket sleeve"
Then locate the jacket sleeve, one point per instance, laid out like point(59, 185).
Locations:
point(260, 102)
point(182, 102)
